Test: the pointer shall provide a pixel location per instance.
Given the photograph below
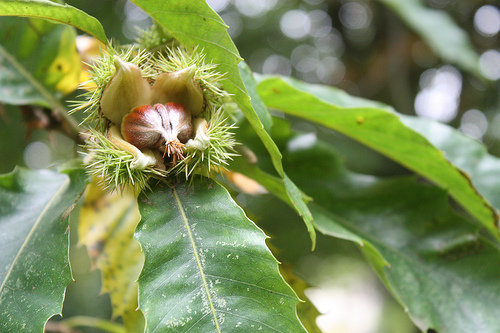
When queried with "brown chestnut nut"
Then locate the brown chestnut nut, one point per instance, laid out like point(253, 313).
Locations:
point(144, 127)
point(180, 121)
point(165, 126)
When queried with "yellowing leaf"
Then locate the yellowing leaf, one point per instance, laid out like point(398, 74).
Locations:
point(244, 183)
point(106, 227)
point(65, 69)
point(36, 59)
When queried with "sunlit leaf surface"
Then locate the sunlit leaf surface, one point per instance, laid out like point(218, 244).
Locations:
point(207, 266)
point(379, 128)
point(56, 12)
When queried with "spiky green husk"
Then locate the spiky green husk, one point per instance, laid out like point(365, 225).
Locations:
point(205, 74)
point(155, 39)
point(113, 166)
point(211, 150)
point(101, 71)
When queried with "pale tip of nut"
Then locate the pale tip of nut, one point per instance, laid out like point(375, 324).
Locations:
point(191, 71)
point(120, 64)
point(201, 139)
point(141, 159)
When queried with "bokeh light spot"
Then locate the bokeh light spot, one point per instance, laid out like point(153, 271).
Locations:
point(295, 24)
point(487, 20)
point(218, 5)
point(37, 155)
point(474, 124)
point(489, 63)
point(276, 64)
point(254, 8)
point(355, 15)
point(440, 94)
point(233, 20)
point(321, 23)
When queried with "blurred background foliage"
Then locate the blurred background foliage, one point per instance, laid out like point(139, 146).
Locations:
point(369, 49)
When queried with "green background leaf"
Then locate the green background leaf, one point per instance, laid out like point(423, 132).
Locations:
point(13, 131)
point(439, 265)
point(464, 152)
point(56, 12)
point(34, 266)
point(381, 130)
point(436, 263)
point(207, 266)
point(437, 28)
point(37, 59)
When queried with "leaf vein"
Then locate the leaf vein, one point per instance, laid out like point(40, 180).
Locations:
point(255, 321)
point(251, 285)
point(62, 188)
point(198, 261)
point(187, 13)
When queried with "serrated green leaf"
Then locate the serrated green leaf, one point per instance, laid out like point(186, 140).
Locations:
point(380, 129)
point(40, 61)
point(433, 256)
point(257, 104)
point(276, 187)
point(55, 12)
point(466, 153)
point(195, 24)
point(34, 265)
point(207, 266)
point(106, 226)
point(436, 263)
point(437, 28)
point(328, 222)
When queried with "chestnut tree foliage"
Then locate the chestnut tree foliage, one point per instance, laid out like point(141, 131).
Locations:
point(186, 162)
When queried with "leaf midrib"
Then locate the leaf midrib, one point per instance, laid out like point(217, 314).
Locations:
point(27, 75)
point(62, 188)
point(197, 259)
